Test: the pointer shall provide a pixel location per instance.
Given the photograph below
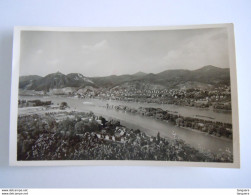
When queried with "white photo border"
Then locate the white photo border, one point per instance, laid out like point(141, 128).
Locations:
point(14, 103)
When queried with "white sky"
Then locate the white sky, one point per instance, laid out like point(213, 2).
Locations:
point(107, 53)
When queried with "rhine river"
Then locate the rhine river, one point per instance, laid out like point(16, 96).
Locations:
point(151, 126)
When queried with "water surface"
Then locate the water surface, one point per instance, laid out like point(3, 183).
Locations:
point(151, 126)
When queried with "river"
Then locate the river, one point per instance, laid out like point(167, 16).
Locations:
point(150, 126)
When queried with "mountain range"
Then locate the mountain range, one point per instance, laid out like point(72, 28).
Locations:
point(205, 76)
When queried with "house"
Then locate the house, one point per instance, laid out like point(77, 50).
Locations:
point(117, 138)
point(200, 124)
point(103, 131)
point(98, 135)
point(99, 122)
point(122, 140)
point(85, 119)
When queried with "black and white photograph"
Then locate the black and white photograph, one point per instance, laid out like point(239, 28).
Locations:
point(129, 96)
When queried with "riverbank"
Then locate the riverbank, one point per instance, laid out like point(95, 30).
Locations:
point(221, 116)
point(161, 103)
point(85, 136)
point(166, 101)
point(216, 129)
point(205, 133)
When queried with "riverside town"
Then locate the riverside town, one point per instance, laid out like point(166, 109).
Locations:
point(161, 95)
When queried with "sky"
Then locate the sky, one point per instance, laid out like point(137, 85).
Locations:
point(125, 52)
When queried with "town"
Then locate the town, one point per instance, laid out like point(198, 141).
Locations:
point(218, 98)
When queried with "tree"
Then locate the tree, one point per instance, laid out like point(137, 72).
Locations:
point(66, 125)
point(158, 137)
point(63, 105)
point(103, 121)
point(94, 126)
point(87, 128)
point(79, 127)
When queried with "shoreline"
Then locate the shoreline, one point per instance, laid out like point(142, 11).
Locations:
point(146, 126)
point(138, 112)
point(56, 109)
point(205, 133)
point(129, 101)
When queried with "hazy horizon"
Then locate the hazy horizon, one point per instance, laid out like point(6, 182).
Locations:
point(115, 74)
point(98, 54)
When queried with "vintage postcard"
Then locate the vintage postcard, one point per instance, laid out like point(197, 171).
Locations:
point(162, 96)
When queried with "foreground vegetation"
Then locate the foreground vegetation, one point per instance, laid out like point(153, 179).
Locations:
point(83, 136)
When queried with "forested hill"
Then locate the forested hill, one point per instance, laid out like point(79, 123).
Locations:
point(208, 75)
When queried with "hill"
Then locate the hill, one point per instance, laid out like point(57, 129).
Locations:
point(207, 76)
point(139, 74)
point(57, 81)
point(26, 81)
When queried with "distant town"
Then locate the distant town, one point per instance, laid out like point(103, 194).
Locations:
point(212, 92)
point(218, 98)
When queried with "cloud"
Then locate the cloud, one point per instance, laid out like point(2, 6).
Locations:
point(198, 51)
point(99, 46)
point(53, 61)
point(100, 54)
point(39, 51)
